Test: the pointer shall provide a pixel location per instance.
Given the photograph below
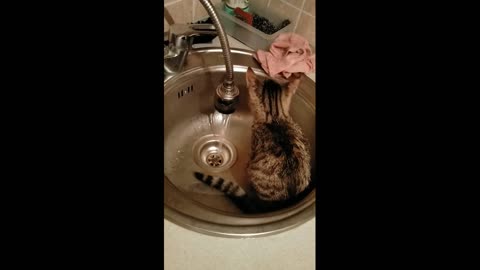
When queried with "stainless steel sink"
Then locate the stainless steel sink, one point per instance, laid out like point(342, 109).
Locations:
point(198, 139)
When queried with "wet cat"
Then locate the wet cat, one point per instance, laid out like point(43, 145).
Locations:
point(279, 165)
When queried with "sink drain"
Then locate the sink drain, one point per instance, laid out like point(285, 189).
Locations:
point(214, 153)
point(214, 160)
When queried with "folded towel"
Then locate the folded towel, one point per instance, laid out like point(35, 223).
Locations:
point(289, 53)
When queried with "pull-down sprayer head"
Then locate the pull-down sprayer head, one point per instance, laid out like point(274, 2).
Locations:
point(226, 94)
point(226, 98)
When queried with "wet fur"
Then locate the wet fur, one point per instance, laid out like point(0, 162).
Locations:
point(279, 166)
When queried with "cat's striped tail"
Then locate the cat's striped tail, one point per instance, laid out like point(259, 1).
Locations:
point(228, 187)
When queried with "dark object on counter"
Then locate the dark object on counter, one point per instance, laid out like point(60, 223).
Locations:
point(259, 22)
point(204, 38)
point(263, 24)
point(266, 26)
point(244, 16)
point(283, 24)
point(208, 20)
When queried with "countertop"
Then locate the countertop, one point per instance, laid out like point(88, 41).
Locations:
point(290, 250)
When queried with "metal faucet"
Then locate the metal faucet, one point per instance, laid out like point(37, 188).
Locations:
point(180, 44)
point(180, 39)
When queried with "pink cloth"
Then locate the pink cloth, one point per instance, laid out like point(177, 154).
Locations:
point(289, 53)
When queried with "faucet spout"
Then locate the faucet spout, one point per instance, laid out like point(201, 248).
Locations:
point(207, 4)
point(226, 94)
point(180, 42)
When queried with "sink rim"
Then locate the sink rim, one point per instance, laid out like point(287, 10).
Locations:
point(242, 231)
point(245, 229)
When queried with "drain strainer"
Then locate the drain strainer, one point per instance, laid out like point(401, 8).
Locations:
point(214, 160)
point(214, 153)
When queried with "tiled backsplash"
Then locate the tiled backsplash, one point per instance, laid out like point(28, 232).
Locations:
point(300, 12)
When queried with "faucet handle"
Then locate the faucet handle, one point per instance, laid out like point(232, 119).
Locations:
point(204, 28)
point(191, 30)
point(168, 53)
point(181, 35)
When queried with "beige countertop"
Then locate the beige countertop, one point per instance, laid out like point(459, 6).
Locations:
point(290, 250)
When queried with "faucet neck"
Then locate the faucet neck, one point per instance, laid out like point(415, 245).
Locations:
point(207, 4)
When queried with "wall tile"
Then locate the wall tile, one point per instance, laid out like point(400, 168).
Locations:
point(309, 7)
point(259, 4)
point(181, 11)
point(295, 3)
point(284, 11)
point(186, 11)
point(200, 12)
point(165, 25)
point(306, 28)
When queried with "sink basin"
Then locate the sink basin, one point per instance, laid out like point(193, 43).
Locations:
point(199, 139)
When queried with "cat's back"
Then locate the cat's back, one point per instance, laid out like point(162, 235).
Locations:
point(280, 137)
point(280, 162)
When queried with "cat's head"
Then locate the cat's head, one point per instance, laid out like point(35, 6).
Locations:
point(268, 99)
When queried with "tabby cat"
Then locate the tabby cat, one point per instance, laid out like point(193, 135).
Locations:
point(279, 165)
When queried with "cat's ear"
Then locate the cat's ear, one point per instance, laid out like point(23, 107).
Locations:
point(294, 82)
point(251, 78)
